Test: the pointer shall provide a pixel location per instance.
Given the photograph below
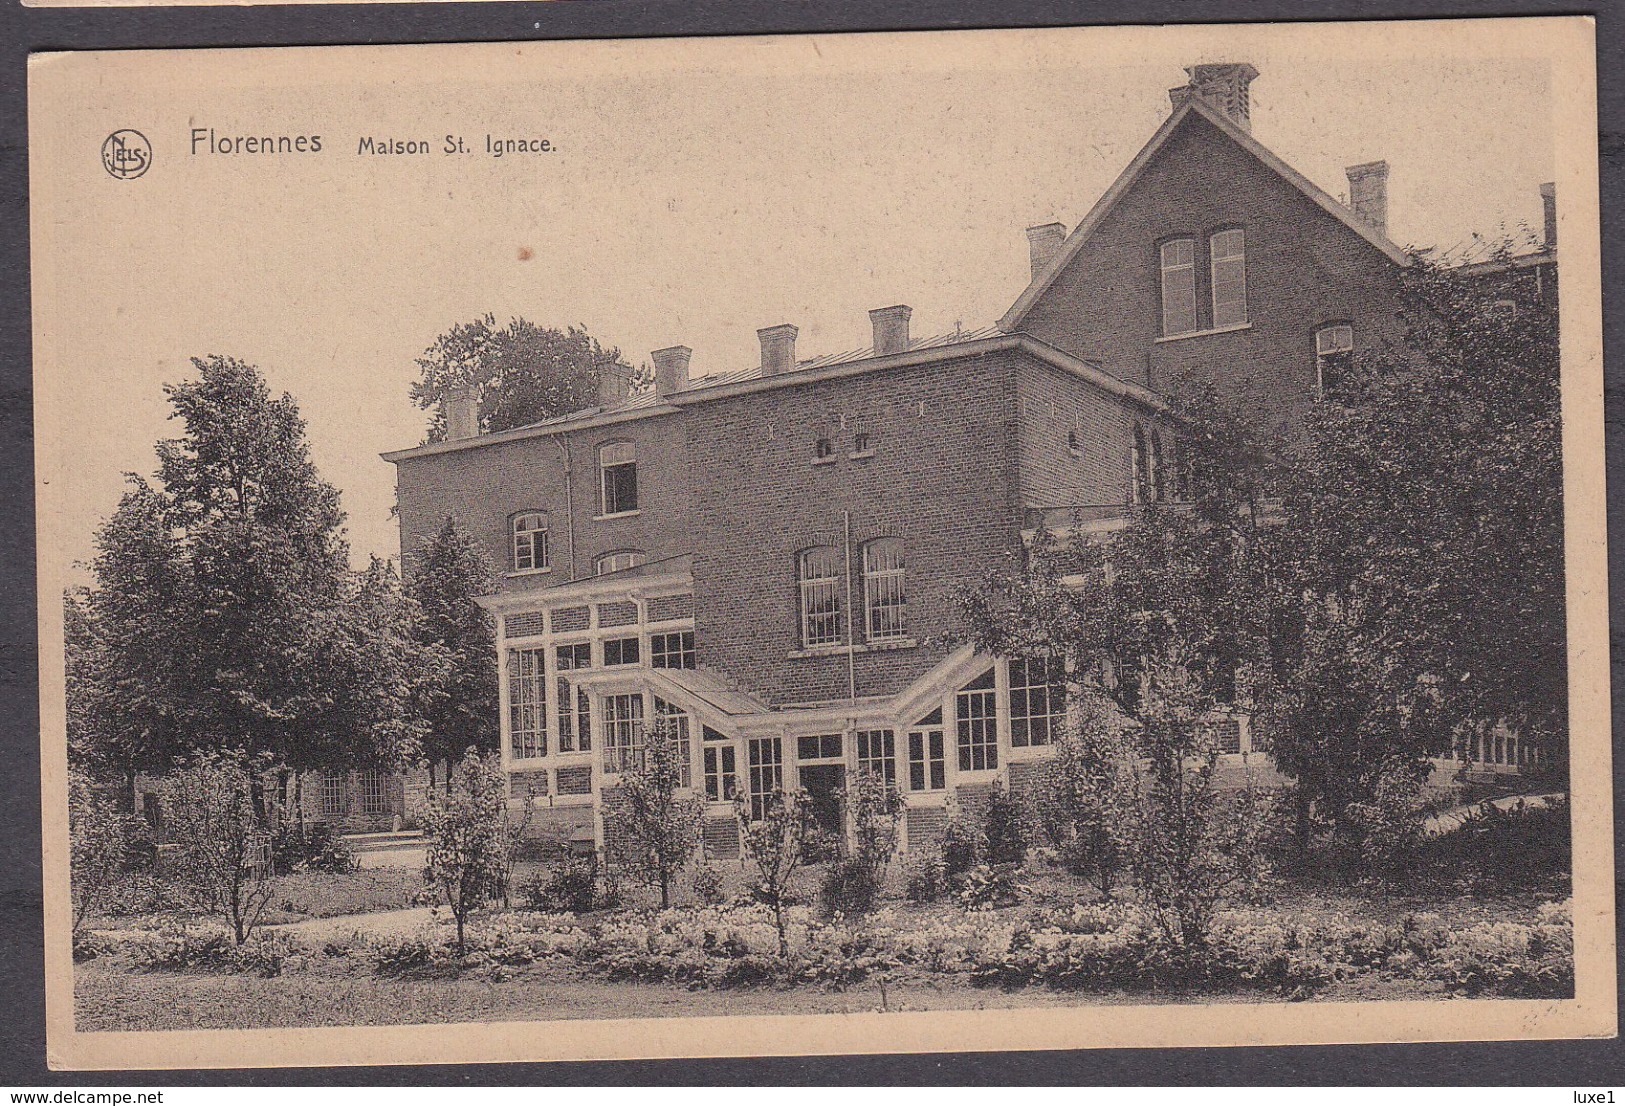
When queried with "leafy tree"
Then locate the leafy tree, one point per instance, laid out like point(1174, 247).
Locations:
point(222, 836)
point(853, 883)
point(651, 830)
point(1082, 803)
point(471, 837)
point(522, 373)
point(773, 844)
point(445, 576)
point(1004, 830)
point(100, 837)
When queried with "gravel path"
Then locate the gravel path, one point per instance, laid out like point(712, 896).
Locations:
point(381, 923)
point(1453, 819)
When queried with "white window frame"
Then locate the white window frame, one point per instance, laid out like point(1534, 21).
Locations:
point(618, 560)
point(1178, 272)
point(885, 592)
point(660, 657)
point(1030, 728)
point(372, 792)
point(876, 749)
point(930, 740)
point(822, 598)
point(574, 705)
point(1227, 276)
point(764, 767)
point(980, 726)
point(719, 766)
point(333, 794)
point(612, 457)
point(622, 727)
point(1324, 350)
point(530, 543)
point(664, 711)
point(527, 703)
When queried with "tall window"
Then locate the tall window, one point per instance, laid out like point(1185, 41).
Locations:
point(673, 650)
point(766, 761)
point(620, 650)
point(721, 771)
point(820, 572)
point(1037, 700)
point(372, 788)
point(1227, 259)
point(884, 598)
point(1178, 286)
point(674, 720)
point(877, 754)
point(335, 795)
point(575, 707)
point(623, 731)
point(618, 470)
point(927, 764)
point(978, 724)
point(527, 704)
point(1334, 354)
point(619, 561)
point(529, 541)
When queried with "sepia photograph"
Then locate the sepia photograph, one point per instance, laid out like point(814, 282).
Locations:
point(828, 543)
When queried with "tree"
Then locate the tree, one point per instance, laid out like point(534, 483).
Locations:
point(522, 373)
point(1082, 802)
point(100, 838)
point(471, 838)
point(773, 843)
point(650, 829)
point(222, 836)
point(446, 574)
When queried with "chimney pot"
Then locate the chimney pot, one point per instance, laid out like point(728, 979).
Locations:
point(614, 384)
point(671, 369)
point(778, 348)
point(1222, 85)
point(891, 328)
point(1368, 193)
point(1548, 203)
point(1042, 242)
point(462, 413)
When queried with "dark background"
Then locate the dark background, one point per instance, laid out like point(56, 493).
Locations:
point(23, 30)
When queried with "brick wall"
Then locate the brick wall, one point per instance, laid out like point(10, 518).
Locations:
point(941, 479)
point(484, 486)
point(1304, 268)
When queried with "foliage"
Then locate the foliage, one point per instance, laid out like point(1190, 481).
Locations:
point(1004, 829)
point(471, 838)
point(773, 845)
point(1386, 826)
point(849, 887)
point(874, 807)
point(650, 829)
point(570, 888)
point(708, 887)
point(310, 846)
point(522, 373)
point(961, 843)
point(447, 573)
point(926, 880)
point(989, 886)
point(223, 850)
point(1082, 803)
point(100, 838)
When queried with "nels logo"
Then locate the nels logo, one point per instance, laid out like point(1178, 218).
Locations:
point(126, 154)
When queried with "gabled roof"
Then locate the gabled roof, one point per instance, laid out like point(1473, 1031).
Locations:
point(1075, 241)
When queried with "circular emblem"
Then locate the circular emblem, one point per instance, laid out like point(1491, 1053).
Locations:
point(126, 154)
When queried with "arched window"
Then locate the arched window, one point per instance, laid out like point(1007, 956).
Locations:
point(618, 561)
point(1178, 264)
point(885, 599)
point(1334, 354)
point(618, 477)
point(1227, 265)
point(530, 541)
point(818, 571)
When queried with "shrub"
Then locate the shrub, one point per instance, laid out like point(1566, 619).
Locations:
point(961, 845)
point(987, 886)
point(224, 846)
point(103, 842)
point(1004, 830)
point(570, 888)
point(851, 886)
point(1384, 829)
point(1082, 803)
point(653, 829)
point(773, 844)
point(927, 880)
point(707, 882)
point(471, 838)
point(313, 846)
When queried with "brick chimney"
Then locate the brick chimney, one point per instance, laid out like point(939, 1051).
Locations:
point(614, 384)
point(462, 413)
point(1042, 242)
point(778, 348)
point(671, 369)
point(1548, 203)
point(1368, 193)
point(891, 328)
point(1221, 85)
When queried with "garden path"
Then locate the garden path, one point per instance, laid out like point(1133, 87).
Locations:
point(381, 923)
point(1456, 817)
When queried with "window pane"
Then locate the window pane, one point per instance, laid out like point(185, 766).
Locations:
point(884, 597)
point(820, 574)
point(1229, 270)
point(1178, 286)
point(1037, 699)
point(623, 731)
point(527, 704)
point(977, 720)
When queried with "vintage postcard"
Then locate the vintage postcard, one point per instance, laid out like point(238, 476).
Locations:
point(822, 544)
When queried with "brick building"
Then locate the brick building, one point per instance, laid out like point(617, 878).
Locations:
point(768, 555)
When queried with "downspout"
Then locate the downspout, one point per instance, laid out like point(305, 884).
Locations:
point(851, 656)
point(569, 502)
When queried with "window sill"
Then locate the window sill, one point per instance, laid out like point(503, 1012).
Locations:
point(843, 650)
point(1205, 333)
point(864, 456)
point(634, 513)
point(830, 460)
point(520, 572)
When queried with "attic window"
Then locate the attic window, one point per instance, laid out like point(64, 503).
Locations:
point(862, 446)
point(1074, 443)
point(823, 451)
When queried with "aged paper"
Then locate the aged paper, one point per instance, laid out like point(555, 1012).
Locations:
point(789, 486)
